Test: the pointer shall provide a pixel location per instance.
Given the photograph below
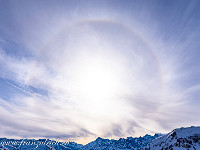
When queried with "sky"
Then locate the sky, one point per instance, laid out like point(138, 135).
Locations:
point(82, 69)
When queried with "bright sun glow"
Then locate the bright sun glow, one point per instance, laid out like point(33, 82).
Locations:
point(96, 81)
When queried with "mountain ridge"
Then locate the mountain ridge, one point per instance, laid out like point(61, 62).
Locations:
point(178, 139)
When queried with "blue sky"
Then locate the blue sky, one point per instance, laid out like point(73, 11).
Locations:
point(82, 69)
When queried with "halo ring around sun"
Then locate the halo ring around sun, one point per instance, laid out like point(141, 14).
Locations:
point(90, 72)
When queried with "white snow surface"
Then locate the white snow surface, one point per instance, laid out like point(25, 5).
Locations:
point(179, 139)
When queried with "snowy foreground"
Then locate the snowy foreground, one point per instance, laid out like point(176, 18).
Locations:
point(178, 139)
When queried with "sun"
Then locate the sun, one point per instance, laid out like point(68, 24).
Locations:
point(96, 81)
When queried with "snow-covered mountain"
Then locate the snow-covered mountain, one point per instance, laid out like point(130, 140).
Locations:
point(41, 144)
point(178, 139)
point(129, 143)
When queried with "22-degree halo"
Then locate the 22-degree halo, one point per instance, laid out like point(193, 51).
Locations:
point(103, 44)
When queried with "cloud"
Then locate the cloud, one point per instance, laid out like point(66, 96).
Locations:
point(149, 69)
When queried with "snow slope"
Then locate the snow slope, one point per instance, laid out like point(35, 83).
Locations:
point(178, 139)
